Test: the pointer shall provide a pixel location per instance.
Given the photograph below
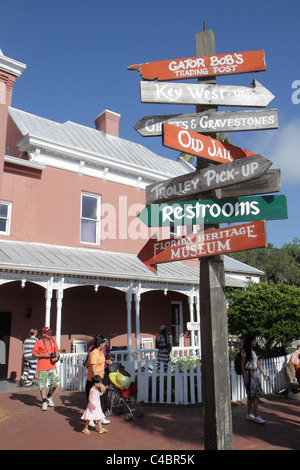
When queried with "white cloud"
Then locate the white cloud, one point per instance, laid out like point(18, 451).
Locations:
point(283, 148)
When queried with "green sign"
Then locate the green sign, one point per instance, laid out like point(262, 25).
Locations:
point(227, 210)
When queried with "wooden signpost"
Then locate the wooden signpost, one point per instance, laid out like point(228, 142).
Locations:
point(230, 176)
point(211, 211)
point(203, 244)
point(210, 178)
point(211, 65)
point(211, 121)
point(218, 95)
point(200, 145)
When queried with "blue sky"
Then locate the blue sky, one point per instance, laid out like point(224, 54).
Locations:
point(77, 54)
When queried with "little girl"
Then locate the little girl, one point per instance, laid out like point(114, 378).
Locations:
point(93, 410)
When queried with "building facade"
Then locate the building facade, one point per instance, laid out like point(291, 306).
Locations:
point(69, 238)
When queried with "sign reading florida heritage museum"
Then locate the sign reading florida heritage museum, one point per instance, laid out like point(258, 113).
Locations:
point(203, 244)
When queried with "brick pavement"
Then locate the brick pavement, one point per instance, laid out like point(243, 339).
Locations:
point(23, 426)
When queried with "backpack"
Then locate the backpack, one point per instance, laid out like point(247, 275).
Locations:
point(237, 363)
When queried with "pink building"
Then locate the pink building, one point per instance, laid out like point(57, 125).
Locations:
point(69, 239)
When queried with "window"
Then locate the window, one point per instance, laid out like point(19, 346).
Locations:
point(90, 218)
point(5, 217)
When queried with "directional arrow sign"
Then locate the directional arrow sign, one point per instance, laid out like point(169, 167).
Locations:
point(211, 121)
point(201, 145)
point(209, 211)
point(204, 244)
point(211, 65)
point(206, 94)
point(212, 177)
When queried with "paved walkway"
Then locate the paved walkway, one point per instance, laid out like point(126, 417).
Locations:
point(23, 426)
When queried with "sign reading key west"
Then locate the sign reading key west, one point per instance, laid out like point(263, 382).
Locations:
point(210, 65)
point(203, 244)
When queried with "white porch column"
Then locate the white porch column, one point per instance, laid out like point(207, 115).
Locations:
point(129, 326)
point(191, 309)
point(59, 297)
point(137, 295)
point(48, 295)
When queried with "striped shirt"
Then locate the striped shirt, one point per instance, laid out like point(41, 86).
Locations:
point(28, 347)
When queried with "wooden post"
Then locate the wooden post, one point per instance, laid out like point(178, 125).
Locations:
point(213, 321)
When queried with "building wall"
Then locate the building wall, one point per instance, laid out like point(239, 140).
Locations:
point(47, 204)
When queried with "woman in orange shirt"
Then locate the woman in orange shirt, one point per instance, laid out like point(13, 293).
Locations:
point(96, 366)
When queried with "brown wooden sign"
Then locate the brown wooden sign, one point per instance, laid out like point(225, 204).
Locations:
point(211, 121)
point(210, 65)
point(204, 244)
point(208, 179)
point(205, 94)
point(201, 145)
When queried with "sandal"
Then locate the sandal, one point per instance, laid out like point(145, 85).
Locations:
point(86, 431)
point(103, 431)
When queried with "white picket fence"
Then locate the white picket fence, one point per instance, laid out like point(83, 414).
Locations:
point(172, 386)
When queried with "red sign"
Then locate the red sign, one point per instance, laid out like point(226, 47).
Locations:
point(210, 65)
point(201, 145)
point(204, 244)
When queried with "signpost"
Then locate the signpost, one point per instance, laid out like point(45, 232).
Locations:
point(210, 178)
point(218, 95)
point(204, 244)
point(201, 145)
point(221, 188)
point(210, 211)
point(211, 121)
point(210, 65)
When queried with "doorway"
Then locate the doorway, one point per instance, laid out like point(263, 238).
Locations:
point(176, 322)
point(5, 322)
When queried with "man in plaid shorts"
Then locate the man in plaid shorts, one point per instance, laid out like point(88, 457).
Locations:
point(46, 350)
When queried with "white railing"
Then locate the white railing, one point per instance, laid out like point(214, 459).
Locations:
point(179, 384)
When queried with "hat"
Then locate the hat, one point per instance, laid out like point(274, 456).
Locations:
point(162, 328)
point(46, 330)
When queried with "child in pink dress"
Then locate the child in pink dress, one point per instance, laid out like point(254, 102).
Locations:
point(93, 410)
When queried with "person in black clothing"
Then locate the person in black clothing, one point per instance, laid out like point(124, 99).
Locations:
point(163, 344)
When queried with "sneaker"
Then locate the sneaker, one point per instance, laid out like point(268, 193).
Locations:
point(44, 406)
point(250, 417)
point(105, 421)
point(50, 401)
point(91, 423)
point(259, 420)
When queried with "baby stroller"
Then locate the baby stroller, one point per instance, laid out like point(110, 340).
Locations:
point(122, 393)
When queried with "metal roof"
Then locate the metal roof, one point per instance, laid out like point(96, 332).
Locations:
point(38, 258)
point(96, 142)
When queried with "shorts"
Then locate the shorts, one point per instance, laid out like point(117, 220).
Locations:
point(48, 378)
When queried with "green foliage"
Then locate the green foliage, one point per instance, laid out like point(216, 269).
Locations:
point(278, 264)
point(269, 311)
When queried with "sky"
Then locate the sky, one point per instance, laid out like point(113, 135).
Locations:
point(77, 54)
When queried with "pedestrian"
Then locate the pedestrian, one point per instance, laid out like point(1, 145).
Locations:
point(163, 344)
point(93, 411)
point(295, 361)
point(30, 362)
point(96, 366)
point(47, 353)
point(250, 365)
